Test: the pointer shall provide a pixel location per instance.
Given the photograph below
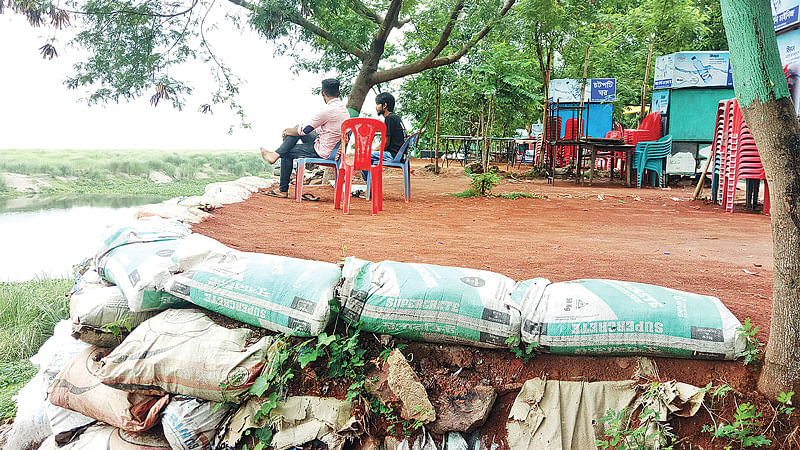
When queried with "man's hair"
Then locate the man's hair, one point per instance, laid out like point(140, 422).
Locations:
point(330, 87)
point(385, 97)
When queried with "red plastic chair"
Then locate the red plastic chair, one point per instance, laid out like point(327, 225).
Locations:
point(649, 130)
point(743, 160)
point(363, 132)
point(573, 130)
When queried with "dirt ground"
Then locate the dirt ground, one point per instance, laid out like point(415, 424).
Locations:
point(570, 232)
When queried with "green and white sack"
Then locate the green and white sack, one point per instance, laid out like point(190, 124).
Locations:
point(279, 293)
point(430, 303)
point(147, 229)
point(140, 270)
point(608, 317)
point(94, 305)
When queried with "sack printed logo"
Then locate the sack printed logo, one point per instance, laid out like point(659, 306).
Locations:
point(474, 281)
point(238, 377)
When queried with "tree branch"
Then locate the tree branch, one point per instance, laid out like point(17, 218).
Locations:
point(297, 19)
point(392, 12)
point(430, 61)
point(359, 7)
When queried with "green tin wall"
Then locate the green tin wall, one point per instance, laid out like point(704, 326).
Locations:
point(692, 113)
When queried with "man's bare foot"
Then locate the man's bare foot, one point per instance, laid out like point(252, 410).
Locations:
point(270, 157)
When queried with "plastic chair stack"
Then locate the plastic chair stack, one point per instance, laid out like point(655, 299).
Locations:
point(552, 132)
point(652, 156)
point(363, 131)
point(649, 130)
point(401, 160)
point(735, 156)
point(573, 130)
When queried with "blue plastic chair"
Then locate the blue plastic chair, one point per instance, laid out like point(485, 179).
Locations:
point(651, 155)
point(331, 161)
point(401, 160)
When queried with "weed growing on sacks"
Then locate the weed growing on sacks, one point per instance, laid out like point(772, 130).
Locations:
point(650, 433)
point(520, 350)
point(752, 351)
point(116, 327)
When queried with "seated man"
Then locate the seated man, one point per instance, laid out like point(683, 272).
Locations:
point(316, 139)
point(395, 132)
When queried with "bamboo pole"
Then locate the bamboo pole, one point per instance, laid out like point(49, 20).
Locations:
point(438, 106)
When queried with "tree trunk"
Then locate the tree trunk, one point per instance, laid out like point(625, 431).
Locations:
point(438, 106)
point(764, 98)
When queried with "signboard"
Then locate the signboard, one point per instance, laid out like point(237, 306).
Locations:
point(785, 13)
point(693, 69)
point(789, 48)
point(660, 102)
point(569, 90)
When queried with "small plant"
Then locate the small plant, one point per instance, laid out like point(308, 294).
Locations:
point(744, 428)
point(752, 350)
point(621, 436)
point(483, 183)
point(517, 195)
point(785, 400)
point(384, 354)
point(524, 352)
point(115, 327)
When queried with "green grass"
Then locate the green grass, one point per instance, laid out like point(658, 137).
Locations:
point(28, 313)
point(127, 171)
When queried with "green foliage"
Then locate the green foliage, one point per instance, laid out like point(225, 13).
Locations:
point(115, 327)
point(483, 183)
point(13, 375)
point(517, 195)
point(621, 436)
point(784, 402)
point(752, 351)
point(28, 312)
point(524, 352)
point(744, 428)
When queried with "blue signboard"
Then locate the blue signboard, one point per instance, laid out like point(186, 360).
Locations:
point(785, 13)
point(603, 89)
point(660, 102)
point(693, 69)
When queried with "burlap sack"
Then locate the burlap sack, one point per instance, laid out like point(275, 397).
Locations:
point(182, 351)
point(79, 389)
point(109, 438)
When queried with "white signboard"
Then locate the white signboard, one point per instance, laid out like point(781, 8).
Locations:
point(693, 69)
point(597, 90)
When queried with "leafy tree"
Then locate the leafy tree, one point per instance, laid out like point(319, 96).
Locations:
point(763, 96)
point(132, 45)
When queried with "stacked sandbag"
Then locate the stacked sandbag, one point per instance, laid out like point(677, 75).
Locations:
point(182, 351)
point(104, 437)
point(608, 317)
point(278, 293)
point(191, 424)
point(36, 418)
point(95, 305)
point(79, 388)
point(430, 303)
point(147, 229)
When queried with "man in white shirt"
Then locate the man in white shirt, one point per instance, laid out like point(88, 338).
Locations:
point(316, 139)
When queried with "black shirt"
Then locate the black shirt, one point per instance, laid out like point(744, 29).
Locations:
point(395, 132)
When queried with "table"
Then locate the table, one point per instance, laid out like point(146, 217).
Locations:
point(498, 146)
point(458, 142)
point(609, 146)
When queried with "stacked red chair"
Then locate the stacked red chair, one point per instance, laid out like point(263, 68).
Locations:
point(574, 130)
point(552, 132)
point(738, 154)
point(649, 130)
point(363, 131)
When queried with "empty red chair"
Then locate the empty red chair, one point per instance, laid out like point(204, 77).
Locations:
point(573, 130)
point(649, 130)
point(363, 131)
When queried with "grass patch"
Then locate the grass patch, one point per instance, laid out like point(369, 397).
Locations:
point(28, 313)
point(466, 194)
point(133, 186)
point(516, 195)
point(13, 375)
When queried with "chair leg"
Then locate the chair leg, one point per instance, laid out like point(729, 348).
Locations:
point(379, 171)
point(407, 182)
point(298, 185)
point(369, 185)
point(337, 197)
point(766, 209)
point(348, 187)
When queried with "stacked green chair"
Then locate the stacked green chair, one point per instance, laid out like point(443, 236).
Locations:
point(651, 155)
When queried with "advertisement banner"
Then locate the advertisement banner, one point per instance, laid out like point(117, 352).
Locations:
point(597, 90)
point(660, 102)
point(785, 13)
point(789, 48)
point(693, 69)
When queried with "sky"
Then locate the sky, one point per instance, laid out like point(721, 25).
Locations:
point(37, 111)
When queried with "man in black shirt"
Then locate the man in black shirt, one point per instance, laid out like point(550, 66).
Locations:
point(384, 106)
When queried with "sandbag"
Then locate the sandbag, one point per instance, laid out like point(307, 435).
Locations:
point(106, 437)
point(191, 424)
point(94, 304)
point(147, 229)
point(36, 417)
point(278, 293)
point(140, 270)
point(608, 317)
point(182, 351)
point(78, 388)
point(430, 303)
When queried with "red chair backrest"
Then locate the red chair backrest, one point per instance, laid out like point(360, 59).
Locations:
point(363, 131)
point(652, 123)
point(574, 128)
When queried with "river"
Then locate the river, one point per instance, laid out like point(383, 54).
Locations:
point(45, 236)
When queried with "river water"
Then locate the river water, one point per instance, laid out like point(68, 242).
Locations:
point(46, 236)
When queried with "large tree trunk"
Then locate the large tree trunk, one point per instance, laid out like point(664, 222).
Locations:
point(764, 98)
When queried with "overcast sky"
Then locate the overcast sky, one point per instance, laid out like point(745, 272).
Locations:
point(38, 111)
